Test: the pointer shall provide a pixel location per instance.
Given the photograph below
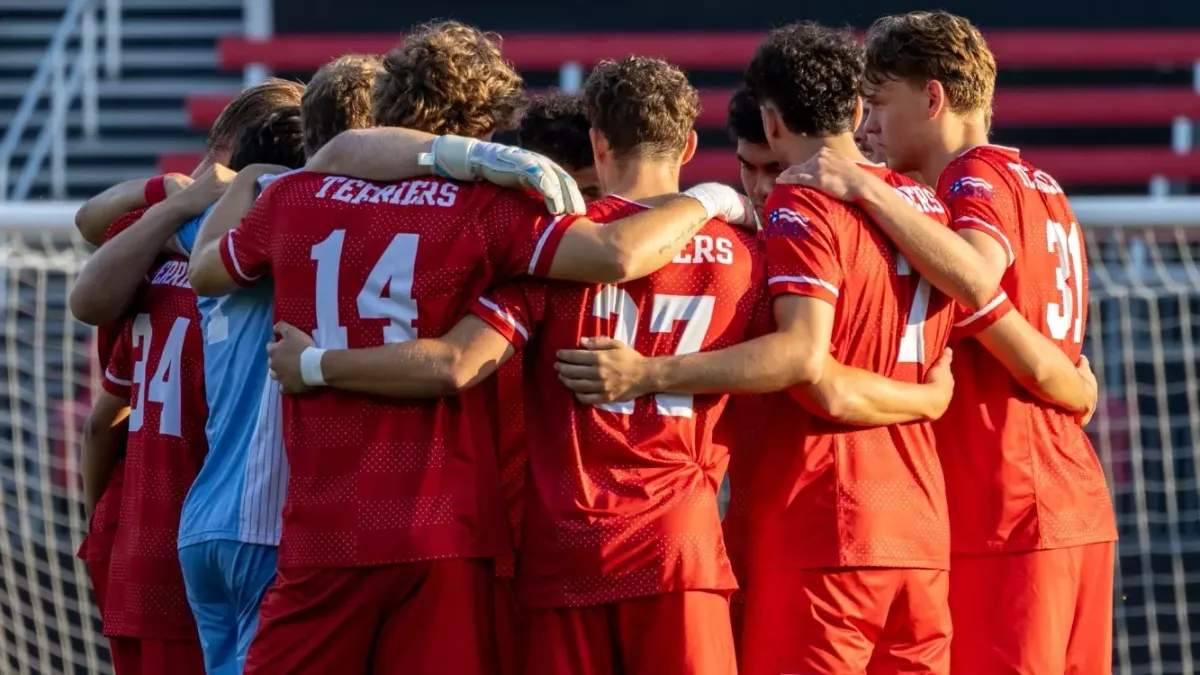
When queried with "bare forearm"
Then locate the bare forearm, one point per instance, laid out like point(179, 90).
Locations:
point(765, 364)
point(934, 251)
point(110, 279)
point(629, 248)
point(98, 213)
point(1037, 363)
point(380, 154)
point(416, 369)
point(102, 445)
point(227, 213)
point(862, 398)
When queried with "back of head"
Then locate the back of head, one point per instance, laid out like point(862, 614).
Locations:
point(277, 139)
point(745, 119)
point(250, 108)
point(556, 125)
point(645, 108)
point(920, 47)
point(338, 98)
point(811, 74)
point(447, 78)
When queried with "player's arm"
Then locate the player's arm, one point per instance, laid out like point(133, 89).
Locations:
point(99, 213)
point(229, 210)
point(379, 154)
point(234, 258)
point(104, 435)
point(110, 279)
point(951, 263)
point(1039, 365)
point(462, 358)
point(795, 355)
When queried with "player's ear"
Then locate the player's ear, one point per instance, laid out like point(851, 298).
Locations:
point(689, 147)
point(858, 113)
point(600, 148)
point(936, 95)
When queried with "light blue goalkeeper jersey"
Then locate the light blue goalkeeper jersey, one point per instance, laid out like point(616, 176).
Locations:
point(239, 493)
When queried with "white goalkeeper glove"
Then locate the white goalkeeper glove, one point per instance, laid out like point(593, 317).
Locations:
point(469, 159)
point(722, 201)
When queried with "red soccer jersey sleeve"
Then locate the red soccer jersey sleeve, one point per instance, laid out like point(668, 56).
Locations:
point(980, 199)
point(802, 255)
point(521, 236)
point(244, 250)
point(622, 499)
point(118, 373)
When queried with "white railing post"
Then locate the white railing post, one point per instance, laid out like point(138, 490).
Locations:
point(259, 20)
point(570, 77)
point(87, 52)
point(58, 141)
point(112, 38)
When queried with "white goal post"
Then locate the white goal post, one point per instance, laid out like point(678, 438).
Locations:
point(1143, 337)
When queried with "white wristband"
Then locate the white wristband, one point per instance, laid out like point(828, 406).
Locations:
point(310, 366)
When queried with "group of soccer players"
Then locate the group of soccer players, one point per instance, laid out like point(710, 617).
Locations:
point(383, 396)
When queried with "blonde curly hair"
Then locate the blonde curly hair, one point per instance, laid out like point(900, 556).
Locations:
point(447, 78)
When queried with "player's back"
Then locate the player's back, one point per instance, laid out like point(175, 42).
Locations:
point(838, 495)
point(623, 501)
point(356, 264)
point(158, 363)
point(1032, 479)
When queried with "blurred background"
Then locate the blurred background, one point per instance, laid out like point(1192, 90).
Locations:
point(1104, 95)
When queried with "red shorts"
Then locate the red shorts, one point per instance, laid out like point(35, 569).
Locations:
point(737, 619)
point(871, 621)
point(685, 633)
point(1032, 613)
point(424, 618)
point(510, 629)
point(137, 656)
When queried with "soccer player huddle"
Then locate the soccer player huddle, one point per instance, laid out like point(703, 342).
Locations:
point(403, 400)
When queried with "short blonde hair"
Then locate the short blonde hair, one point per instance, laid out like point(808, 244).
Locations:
point(338, 98)
point(448, 78)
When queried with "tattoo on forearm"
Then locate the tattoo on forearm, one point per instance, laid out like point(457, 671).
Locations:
point(687, 233)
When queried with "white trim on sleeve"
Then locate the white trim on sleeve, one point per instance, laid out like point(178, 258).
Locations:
point(233, 256)
point(541, 243)
point(508, 318)
point(116, 380)
point(983, 310)
point(812, 281)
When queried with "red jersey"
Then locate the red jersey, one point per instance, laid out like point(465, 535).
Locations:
point(1021, 474)
point(159, 365)
point(510, 449)
point(102, 530)
point(742, 429)
point(622, 501)
point(831, 495)
point(375, 481)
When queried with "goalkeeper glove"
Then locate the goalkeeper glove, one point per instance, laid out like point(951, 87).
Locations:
point(468, 159)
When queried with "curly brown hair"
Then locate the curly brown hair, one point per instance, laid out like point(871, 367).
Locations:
point(556, 125)
point(447, 78)
point(920, 47)
point(250, 108)
point(338, 98)
point(644, 107)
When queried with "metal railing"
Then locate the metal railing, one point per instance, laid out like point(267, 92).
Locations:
point(51, 78)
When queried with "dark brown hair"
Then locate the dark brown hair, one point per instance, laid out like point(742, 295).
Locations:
point(556, 125)
point(447, 78)
point(338, 98)
point(249, 109)
point(644, 107)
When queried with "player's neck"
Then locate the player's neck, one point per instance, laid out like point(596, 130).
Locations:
point(799, 149)
point(957, 136)
point(640, 181)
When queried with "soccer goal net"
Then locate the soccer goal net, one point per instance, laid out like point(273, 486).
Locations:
point(1141, 335)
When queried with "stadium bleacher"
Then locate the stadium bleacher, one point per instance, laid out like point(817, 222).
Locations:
point(1176, 108)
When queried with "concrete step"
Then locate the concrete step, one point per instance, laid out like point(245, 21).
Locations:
point(110, 119)
point(157, 29)
point(118, 149)
point(14, 88)
point(147, 59)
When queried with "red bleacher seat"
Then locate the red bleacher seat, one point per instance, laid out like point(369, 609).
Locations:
point(1014, 107)
point(724, 51)
point(1072, 166)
